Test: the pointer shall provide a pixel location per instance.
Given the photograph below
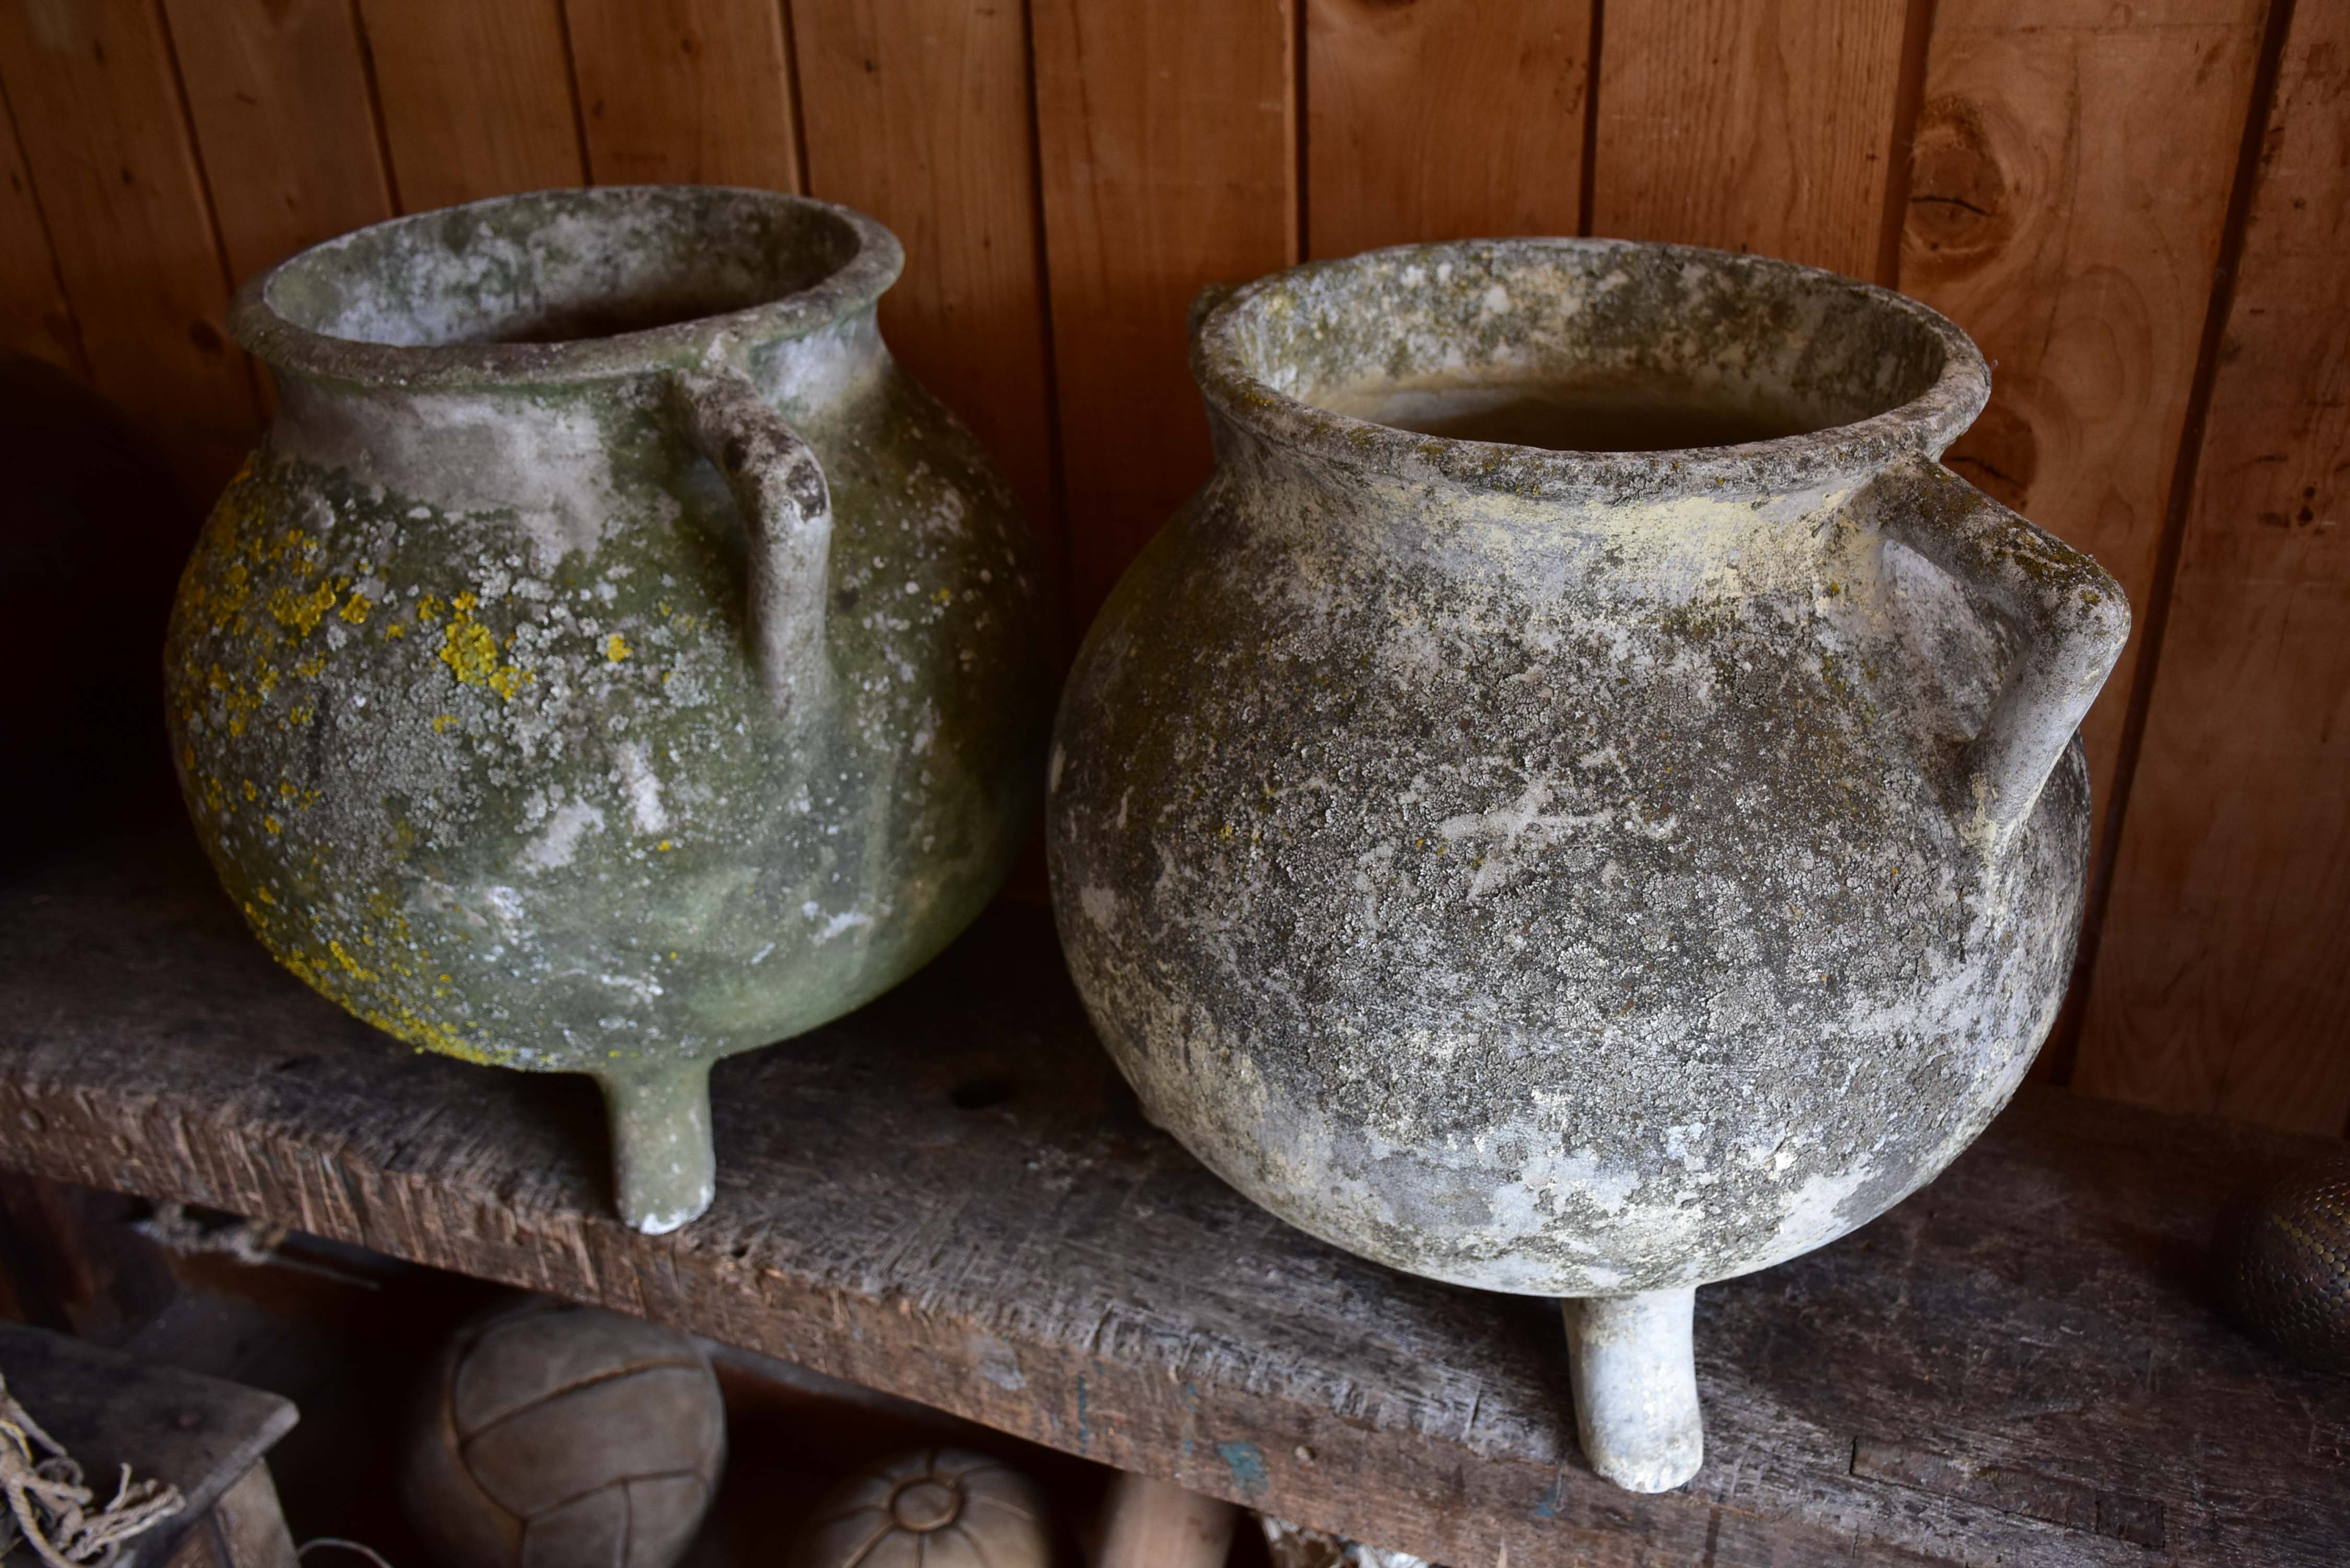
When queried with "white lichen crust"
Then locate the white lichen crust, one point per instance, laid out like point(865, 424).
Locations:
point(1559, 873)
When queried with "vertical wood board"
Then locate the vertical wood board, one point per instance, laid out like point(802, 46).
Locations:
point(104, 134)
point(2223, 979)
point(35, 318)
point(277, 90)
point(477, 97)
point(1443, 120)
point(2068, 186)
point(685, 92)
point(1750, 125)
point(1167, 149)
point(919, 115)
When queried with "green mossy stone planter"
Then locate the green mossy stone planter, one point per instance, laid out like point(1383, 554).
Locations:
point(610, 659)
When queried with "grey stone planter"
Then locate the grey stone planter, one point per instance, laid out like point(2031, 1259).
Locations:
point(1587, 874)
point(610, 659)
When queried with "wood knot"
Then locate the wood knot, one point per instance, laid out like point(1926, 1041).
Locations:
point(1960, 207)
point(2000, 455)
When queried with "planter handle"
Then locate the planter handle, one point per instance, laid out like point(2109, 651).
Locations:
point(2070, 618)
point(786, 508)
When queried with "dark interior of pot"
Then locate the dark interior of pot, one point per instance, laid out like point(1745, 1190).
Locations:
point(562, 266)
point(1594, 348)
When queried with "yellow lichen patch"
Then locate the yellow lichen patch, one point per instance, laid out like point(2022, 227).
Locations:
point(300, 612)
point(441, 723)
point(226, 602)
point(252, 792)
point(352, 966)
point(615, 647)
point(355, 609)
point(430, 608)
point(272, 824)
point(397, 628)
point(471, 653)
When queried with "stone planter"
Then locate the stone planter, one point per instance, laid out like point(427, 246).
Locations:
point(610, 659)
point(1588, 872)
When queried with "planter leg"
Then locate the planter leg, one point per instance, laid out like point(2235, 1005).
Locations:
point(1636, 1387)
point(664, 1171)
point(1153, 1523)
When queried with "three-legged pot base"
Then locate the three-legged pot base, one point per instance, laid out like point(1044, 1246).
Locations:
point(1635, 1377)
point(664, 1170)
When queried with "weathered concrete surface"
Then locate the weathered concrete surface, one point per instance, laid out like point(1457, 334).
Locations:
point(1566, 873)
point(1633, 1363)
point(529, 732)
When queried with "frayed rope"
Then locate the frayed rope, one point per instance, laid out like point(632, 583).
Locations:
point(49, 1508)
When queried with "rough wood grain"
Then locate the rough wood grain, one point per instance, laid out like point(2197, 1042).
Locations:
point(108, 1409)
point(1443, 121)
point(950, 1197)
point(246, 1529)
point(2223, 979)
point(919, 114)
point(1755, 125)
point(1166, 150)
point(685, 92)
point(2068, 184)
point(35, 318)
point(476, 99)
point(104, 134)
point(277, 90)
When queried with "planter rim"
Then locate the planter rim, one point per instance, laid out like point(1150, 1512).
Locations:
point(872, 262)
point(1924, 424)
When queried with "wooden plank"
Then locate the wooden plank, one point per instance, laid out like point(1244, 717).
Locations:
point(1752, 125)
point(278, 93)
point(950, 1197)
point(476, 98)
point(35, 318)
point(2068, 187)
point(246, 1529)
point(1391, 158)
point(1166, 150)
point(104, 134)
point(919, 114)
point(685, 92)
point(108, 1410)
point(2223, 977)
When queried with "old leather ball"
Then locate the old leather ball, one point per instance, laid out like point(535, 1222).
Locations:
point(2287, 1269)
point(554, 1436)
point(939, 1508)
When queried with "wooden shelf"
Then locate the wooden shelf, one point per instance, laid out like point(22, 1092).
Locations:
point(951, 1197)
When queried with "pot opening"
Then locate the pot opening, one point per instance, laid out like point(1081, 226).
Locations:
point(562, 266)
point(1582, 347)
point(1620, 412)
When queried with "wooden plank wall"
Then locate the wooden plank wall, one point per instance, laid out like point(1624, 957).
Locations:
point(2138, 212)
